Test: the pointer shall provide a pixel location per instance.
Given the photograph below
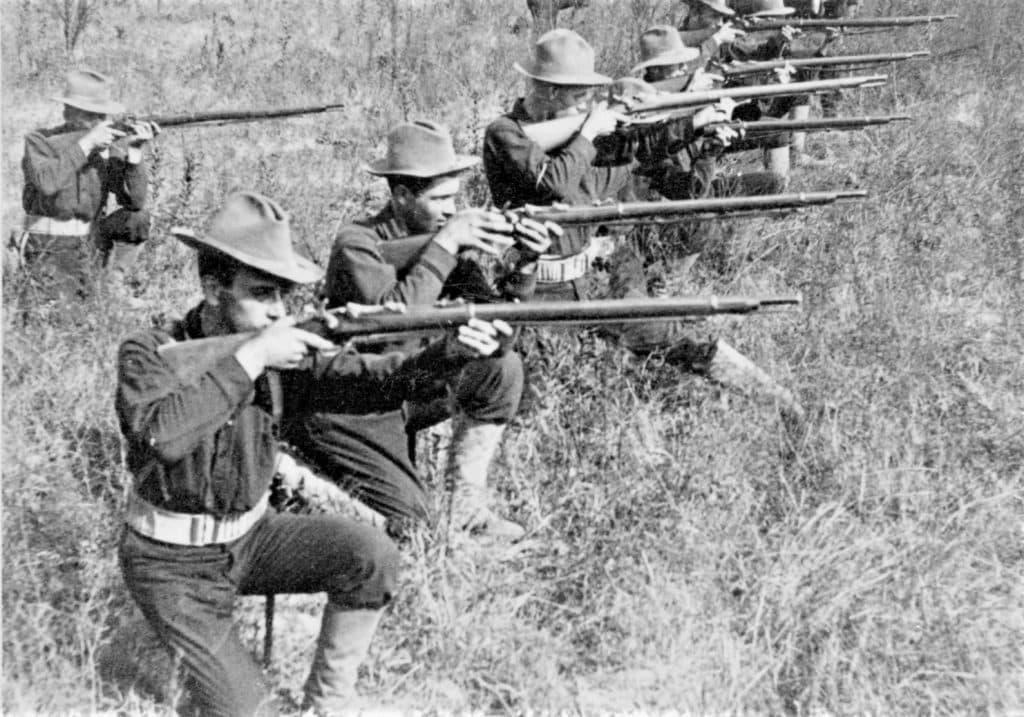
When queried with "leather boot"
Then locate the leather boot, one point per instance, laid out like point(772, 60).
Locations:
point(473, 446)
point(732, 369)
point(345, 636)
point(776, 161)
point(800, 157)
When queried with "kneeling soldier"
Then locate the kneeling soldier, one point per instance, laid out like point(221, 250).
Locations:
point(597, 164)
point(202, 448)
point(415, 251)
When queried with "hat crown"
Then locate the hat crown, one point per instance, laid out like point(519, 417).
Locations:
point(719, 6)
point(562, 52)
point(754, 7)
point(90, 91)
point(255, 226)
point(421, 146)
point(660, 40)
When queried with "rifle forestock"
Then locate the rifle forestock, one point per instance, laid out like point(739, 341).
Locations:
point(754, 25)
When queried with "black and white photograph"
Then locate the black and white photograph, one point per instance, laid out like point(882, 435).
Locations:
point(513, 357)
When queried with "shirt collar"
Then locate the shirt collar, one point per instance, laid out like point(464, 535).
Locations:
point(387, 225)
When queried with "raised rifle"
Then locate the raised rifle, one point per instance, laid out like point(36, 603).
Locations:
point(403, 253)
point(733, 70)
point(191, 359)
point(827, 124)
point(751, 24)
point(555, 133)
point(218, 117)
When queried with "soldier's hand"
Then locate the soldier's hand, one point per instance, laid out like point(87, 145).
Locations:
point(281, 345)
point(789, 32)
point(703, 80)
point(600, 121)
point(784, 74)
point(721, 112)
point(481, 339)
point(142, 132)
point(484, 229)
point(99, 137)
point(724, 136)
point(727, 34)
point(533, 238)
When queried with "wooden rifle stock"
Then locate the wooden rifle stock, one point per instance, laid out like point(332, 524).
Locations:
point(222, 116)
point(191, 359)
point(555, 133)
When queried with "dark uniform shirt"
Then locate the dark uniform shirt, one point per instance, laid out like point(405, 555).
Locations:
point(61, 182)
point(520, 172)
point(208, 445)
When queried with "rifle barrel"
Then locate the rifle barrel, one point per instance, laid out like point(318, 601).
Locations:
point(753, 24)
point(552, 312)
point(808, 125)
point(634, 212)
point(739, 69)
point(238, 115)
point(678, 100)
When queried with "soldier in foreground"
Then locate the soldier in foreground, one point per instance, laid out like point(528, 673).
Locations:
point(598, 163)
point(202, 453)
point(70, 171)
point(414, 251)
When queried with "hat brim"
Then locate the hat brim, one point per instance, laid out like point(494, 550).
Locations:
point(462, 162)
point(590, 80)
point(110, 107)
point(779, 12)
point(301, 271)
point(677, 57)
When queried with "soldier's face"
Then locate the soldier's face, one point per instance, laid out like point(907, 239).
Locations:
point(80, 119)
point(702, 16)
point(657, 73)
point(428, 211)
point(251, 302)
point(549, 101)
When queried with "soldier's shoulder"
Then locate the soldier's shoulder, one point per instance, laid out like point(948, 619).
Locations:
point(61, 134)
point(162, 330)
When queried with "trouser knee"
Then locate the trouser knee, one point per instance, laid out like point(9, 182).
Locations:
point(490, 389)
point(693, 355)
point(374, 583)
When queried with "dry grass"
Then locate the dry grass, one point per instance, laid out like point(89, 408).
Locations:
point(686, 552)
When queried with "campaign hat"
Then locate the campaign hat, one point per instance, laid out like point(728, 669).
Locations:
point(90, 91)
point(718, 6)
point(662, 45)
point(562, 57)
point(764, 8)
point(421, 149)
point(253, 230)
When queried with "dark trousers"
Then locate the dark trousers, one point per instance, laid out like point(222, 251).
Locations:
point(63, 267)
point(372, 456)
point(187, 594)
